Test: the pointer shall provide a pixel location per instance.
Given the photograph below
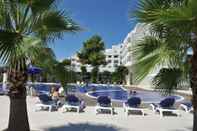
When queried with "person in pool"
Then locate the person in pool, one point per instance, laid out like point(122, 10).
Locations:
point(134, 92)
point(131, 92)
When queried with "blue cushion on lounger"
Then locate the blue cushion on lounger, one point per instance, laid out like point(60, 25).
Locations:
point(133, 102)
point(188, 104)
point(104, 101)
point(167, 102)
point(72, 100)
point(44, 98)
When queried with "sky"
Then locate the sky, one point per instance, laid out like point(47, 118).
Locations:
point(107, 18)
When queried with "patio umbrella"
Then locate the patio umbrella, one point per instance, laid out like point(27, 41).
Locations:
point(34, 70)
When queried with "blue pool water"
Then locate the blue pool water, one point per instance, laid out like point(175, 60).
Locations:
point(89, 88)
point(43, 88)
point(116, 93)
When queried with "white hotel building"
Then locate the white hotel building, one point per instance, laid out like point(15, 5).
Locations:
point(120, 54)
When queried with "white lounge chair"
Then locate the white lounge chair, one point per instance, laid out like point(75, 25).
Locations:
point(186, 106)
point(166, 105)
point(133, 104)
point(45, 102)
point(104, 103)
point(73, 102)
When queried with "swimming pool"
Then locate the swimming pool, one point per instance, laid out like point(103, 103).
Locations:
point(43, 88)
point(117, 93)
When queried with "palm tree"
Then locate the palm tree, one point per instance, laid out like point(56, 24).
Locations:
point(173, 31)
point(26, 25)
point(83, 73)
point(92, 53)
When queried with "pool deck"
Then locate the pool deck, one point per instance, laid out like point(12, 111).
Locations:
point(89, 121)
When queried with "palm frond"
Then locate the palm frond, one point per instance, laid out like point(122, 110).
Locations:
point(145, 46)
point(8, 43)
point(45, 54)
point(172, 23)
point(193, 5)
point(164, 12)
point(23, 52)
point(6, 18)
point(24, 24)
point(34, 51)
point(52, 25)
point(151, 54)
point(166, 84)
point(38, 6)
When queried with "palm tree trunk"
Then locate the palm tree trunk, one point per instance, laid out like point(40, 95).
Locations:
point(194, 87)
point(194, 121)
point(94, 74)
point(18, 117)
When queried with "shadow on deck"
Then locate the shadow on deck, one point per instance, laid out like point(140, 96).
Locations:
point(84, 127)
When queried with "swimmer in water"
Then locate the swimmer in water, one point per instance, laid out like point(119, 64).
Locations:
point(134, 92)
point(131, 92)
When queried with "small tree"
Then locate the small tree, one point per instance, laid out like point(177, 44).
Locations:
point(105, 77)
point(46, 60)
point(115, 78)
point(120, 74)
point(63, 73)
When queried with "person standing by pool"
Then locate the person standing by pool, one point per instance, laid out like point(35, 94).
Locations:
point(61, 92)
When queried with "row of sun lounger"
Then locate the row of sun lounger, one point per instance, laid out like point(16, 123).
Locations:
point(104, 104)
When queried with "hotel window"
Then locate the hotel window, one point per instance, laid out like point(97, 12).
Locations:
point(115, 65)
point(109, 56)
point(129, 58)
point(116, 61)
point(116, 56)
point(109, 61)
